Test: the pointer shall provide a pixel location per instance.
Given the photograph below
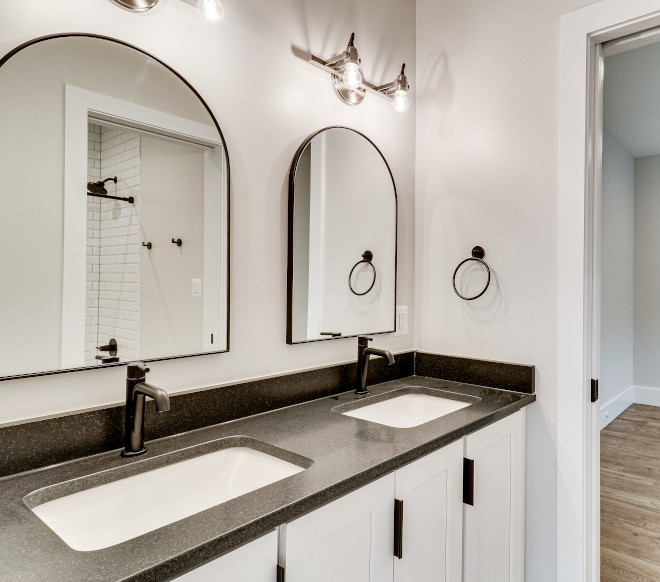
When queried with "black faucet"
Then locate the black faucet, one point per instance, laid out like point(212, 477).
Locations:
point(136, 392)
point(363, 362)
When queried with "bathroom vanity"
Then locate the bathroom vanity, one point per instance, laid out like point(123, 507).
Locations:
point(370, 502)
point(296, 477)
point(439, 538)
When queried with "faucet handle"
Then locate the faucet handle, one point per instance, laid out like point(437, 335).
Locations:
point(365, 338)
point(136, 370)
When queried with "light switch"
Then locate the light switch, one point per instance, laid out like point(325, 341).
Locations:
point(401, 320)
point(196, 287)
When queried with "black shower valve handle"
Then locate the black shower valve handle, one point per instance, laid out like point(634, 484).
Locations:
point(178, 242)
point(110, 347)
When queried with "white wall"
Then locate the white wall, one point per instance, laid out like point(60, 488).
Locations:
point(617, 260)
point(487, 173)
point(171, 319)
point(647, 272)
point(267, 102)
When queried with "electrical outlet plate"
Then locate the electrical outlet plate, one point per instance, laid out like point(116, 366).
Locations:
point(401, 320)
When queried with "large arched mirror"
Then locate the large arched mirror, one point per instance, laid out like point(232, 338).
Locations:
point(114, 185)
point(342, 239)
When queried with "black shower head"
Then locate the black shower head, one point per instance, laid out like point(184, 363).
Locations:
point(99, 187)
point(96, 188)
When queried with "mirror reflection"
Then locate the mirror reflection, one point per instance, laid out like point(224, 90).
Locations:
point(342, 239)
point(119, 250)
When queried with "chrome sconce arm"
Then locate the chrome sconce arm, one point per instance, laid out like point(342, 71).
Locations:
point(348, 57)
point(349, 85)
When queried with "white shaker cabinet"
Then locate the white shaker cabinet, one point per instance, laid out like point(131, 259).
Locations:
point(431, 490)
point(353, 539)
point(358, 538)
point(253, 562)
point(494, 526)
point(348, 540)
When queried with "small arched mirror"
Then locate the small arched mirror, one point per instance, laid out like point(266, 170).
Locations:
point(114, 186)
point(342, 239)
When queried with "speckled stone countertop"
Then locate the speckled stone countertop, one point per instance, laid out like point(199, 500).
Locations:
point(346, 452)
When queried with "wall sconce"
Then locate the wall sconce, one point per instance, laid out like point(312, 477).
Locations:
point(349, 85)
point(210, 11)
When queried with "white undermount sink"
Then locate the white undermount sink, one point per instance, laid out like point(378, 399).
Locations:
point(118, 511)
point(407, 410)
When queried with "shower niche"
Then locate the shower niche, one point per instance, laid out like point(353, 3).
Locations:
point(123, 255)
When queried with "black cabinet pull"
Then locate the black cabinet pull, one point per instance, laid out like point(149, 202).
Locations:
point(468, 481)
point(398, 528)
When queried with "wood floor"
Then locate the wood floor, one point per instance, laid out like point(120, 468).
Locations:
point(630, 496)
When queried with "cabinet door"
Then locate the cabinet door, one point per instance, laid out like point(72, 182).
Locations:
point(348, 540)
point(493, 528)
point(432, 493)
point(253, 562)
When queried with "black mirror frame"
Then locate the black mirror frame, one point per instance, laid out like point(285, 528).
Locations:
point(40, 39)
point(289, 269)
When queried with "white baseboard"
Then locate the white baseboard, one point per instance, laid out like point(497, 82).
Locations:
point(647, 395)
point(633, 395)
point(612, 408)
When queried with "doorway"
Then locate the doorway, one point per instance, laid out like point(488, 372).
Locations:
point(583, 33)
point(629, 316)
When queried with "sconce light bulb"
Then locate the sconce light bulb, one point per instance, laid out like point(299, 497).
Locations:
point(400, 102)
point(352, 77)
point(211, 11)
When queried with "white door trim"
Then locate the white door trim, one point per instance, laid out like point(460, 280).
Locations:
point(577, 420)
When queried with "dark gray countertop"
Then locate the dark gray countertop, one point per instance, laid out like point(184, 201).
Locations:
point(346, 452)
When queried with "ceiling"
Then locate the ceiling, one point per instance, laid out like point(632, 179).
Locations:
point(631, 100)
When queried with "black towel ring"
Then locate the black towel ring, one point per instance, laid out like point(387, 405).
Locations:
point(367, 257)
point(478, 253)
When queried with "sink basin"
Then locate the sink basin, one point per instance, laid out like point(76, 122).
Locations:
point(408, 409)
point(123, 509)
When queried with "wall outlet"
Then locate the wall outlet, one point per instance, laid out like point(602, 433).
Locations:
point(196, 287)
point(401, 320)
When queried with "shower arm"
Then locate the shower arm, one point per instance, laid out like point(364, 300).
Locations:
point(103, 193)
point(130, 199)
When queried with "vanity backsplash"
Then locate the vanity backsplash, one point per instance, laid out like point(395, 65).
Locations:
point(34, 444)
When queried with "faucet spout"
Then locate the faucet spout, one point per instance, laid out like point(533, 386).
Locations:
point(381, 353)
point(136, 392)
point(364, 353)
point(159, 395)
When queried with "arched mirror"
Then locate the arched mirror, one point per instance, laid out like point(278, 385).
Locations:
point(342, 239)
point(114, 185)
